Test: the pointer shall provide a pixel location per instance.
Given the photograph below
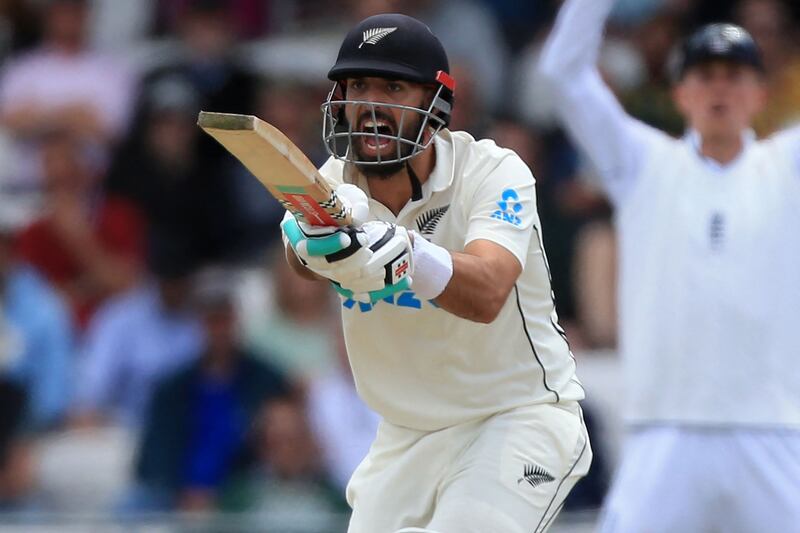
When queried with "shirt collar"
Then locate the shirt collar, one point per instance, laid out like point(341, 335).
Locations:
point(443, 171)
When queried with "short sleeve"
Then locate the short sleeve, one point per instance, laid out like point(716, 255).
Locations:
point(503, 208)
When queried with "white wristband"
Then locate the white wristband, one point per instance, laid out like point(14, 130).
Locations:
point(433, 268)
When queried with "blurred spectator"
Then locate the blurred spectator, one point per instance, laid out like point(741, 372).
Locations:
point(294, 108)
point(35, 357)
point(12, 409)
point(19, 26)
point(519, 19)
point(206, 59)
point(206, 63)
point(88, 245)
point(342, 423)
point(651, 101)
point(288, 481)
point(159, 170)
point(293, 335)
point(771, 25)
point(36, 341)
point(63, 85)
point(361, 9)
point(250, 18)
point(470, 113)
point(116, 26)
point(16, 477)
point(199, 416)
point(133, 341)
point(461, 25)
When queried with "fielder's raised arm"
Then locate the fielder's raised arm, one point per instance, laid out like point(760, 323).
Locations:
point(613, 140)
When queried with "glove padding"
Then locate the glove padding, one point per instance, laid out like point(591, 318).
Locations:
point(317, 246)
point(367, 261)
point(388, 269)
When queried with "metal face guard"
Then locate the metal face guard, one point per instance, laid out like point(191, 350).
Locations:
point(338, 134)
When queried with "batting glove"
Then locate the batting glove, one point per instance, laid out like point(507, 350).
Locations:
point(388, 269)
point(319, 246)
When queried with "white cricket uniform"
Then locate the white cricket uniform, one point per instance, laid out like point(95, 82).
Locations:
point(481, 428)
point(709, 300)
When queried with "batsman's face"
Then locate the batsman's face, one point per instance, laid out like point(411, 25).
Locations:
point(720, 98)
point(390, 121)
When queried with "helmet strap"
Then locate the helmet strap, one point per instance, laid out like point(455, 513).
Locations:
point(416, 186)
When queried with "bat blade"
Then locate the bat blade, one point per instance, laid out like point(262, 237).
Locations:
point(279, 165)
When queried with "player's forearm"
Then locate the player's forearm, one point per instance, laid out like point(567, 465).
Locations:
point(588, 109)
point(574, 43)
point(475, 291)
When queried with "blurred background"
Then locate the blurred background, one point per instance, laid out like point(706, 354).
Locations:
point(160, 367)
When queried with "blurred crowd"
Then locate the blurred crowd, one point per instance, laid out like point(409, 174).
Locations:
point(145, 306)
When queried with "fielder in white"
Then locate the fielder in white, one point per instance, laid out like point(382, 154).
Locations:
point(448, 314)
point(709, 297)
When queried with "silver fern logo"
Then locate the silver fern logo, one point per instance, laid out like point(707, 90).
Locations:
point(374, 35)
point(427, 222)
point(535, 475)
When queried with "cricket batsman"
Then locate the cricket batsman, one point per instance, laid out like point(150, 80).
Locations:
point(709, 289)
point(448, 313)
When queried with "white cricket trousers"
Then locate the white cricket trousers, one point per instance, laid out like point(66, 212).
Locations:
point(681, 479)
point(508, 473)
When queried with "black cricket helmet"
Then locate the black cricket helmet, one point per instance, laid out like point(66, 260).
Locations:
point(719, 41)
point(391, 46)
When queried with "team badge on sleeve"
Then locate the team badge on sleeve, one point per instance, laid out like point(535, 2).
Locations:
point(509, 208)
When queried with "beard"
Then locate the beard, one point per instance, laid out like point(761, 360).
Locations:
point(386, 170)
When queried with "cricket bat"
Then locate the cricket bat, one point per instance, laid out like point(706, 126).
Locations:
point(279, 165)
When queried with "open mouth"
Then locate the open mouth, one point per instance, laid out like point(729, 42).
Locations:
point(381, 127)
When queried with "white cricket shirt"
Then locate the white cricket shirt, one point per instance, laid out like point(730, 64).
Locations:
point(424, 368)
point(709, 281)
